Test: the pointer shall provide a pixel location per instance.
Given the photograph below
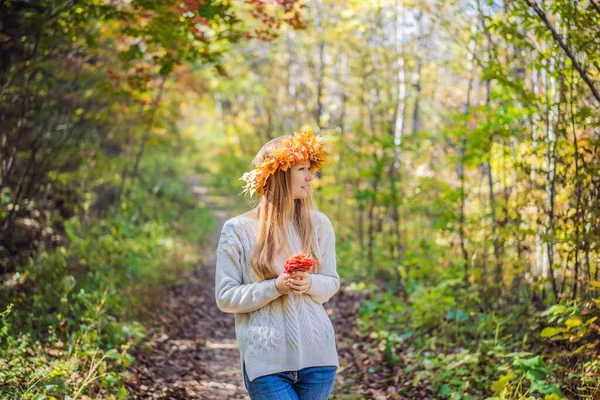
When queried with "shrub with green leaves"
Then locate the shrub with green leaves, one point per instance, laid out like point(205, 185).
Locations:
point(70, 317)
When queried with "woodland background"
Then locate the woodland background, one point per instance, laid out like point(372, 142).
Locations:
point(464, 183)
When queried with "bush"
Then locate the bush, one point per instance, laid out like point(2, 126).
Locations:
point(71, 315)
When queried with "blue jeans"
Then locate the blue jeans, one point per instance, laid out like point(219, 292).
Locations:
point(314, 383)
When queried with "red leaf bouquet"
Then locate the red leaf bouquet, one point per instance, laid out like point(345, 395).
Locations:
point(299, 262)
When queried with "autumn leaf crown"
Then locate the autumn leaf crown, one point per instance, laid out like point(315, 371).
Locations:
point(302, 146)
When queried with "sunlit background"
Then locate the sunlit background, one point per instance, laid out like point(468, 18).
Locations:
point(463, 183)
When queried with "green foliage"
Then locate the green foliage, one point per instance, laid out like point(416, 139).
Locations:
point(573, 325)
point(461, 350)
point(437, 308)
point(386, 312)
point(71, 315)
point(568, 321)
point(532, 371)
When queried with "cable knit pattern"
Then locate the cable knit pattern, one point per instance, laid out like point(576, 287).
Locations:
point(277, 332)
point(262, 335)
point(292, 326)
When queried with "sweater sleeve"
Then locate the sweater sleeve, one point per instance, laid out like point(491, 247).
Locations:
point(326, 283)
point(231, 294)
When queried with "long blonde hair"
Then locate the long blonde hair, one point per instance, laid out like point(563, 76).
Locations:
point(272, 210)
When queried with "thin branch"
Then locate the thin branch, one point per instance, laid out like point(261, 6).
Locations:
point(595, 6)
point(148, 130)
point(560, 41)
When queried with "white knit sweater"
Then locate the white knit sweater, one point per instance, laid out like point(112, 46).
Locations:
point(277, 332)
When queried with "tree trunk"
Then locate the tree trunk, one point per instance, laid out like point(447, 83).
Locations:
point(395, 165)
point(552, 117)
point(342, 123)
point(461, 152)
point(320, 65)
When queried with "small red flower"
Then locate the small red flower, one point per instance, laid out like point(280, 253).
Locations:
point(299, 262)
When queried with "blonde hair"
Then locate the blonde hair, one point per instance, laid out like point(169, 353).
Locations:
point(272, 210)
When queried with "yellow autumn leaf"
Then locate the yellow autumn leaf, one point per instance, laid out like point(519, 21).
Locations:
point(552, 331)
point(572, 323)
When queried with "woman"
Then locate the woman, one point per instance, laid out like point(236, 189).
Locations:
point(287, 341)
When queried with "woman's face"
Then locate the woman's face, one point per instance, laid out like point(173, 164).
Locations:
point(301, 178)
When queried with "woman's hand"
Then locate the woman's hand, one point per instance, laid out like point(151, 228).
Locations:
point(281, 284)
point(298, 282)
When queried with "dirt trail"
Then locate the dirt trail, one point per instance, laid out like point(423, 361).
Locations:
point(193, 353)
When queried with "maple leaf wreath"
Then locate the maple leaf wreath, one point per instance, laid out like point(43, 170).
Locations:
point(301, 147)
